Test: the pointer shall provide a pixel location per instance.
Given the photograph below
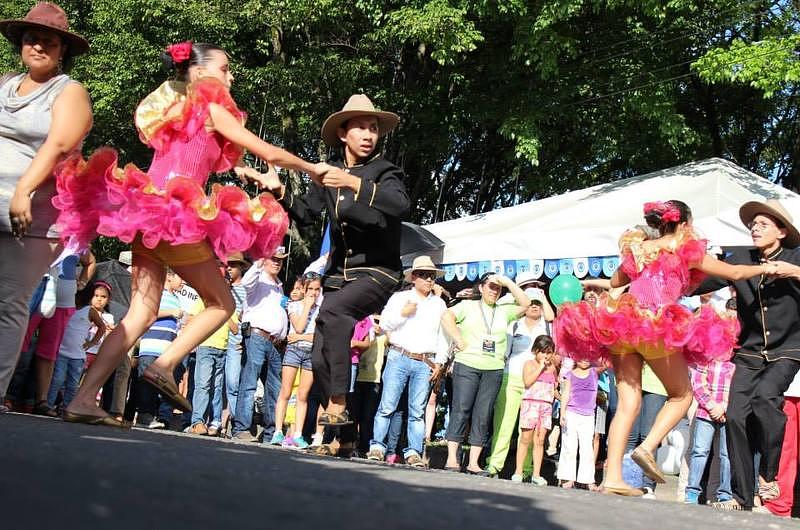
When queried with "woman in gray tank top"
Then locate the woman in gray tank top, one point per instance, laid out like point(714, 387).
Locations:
point(44, 115)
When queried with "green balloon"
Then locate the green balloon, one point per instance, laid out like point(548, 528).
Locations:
point(565, 288)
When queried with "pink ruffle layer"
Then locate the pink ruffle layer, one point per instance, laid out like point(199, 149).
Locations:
point(585, 332)
point(98, 197)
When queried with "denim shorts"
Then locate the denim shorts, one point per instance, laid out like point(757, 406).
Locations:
point(297, 357)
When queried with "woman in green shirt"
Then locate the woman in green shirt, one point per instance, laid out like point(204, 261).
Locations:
point(478, 331)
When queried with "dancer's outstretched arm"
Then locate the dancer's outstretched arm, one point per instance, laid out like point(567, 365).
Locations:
point(228, 126)
point(714, 267)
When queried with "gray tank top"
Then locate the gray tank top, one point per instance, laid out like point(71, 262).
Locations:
point(24, 125)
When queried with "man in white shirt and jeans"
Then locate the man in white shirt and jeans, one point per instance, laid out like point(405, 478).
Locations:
point(416, 353)
point(268, 323)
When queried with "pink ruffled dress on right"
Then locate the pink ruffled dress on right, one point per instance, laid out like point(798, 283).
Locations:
point(648, 319)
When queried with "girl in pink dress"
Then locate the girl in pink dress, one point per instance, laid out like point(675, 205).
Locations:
point(648, 324)
point(195, 129)
point(536, 412)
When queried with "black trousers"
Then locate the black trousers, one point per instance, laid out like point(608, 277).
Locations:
point(755, 420)
point(474, 394)
point(365, 404)
point(340, 311)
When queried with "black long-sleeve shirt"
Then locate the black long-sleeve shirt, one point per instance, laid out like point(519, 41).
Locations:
point(365, 227)
point(768, 308)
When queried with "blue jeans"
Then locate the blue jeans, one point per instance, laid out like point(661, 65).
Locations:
point(401, 371)
point(259, 351)
point(209, 372)
point(233, 370)
point(701, 446)
point(396, 427)
point(67, 373)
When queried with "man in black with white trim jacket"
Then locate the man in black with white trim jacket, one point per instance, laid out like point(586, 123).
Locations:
point(768, 356)
point(366, 200)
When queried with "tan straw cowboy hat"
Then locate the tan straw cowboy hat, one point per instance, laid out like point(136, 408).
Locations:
point(423, 263)
point(357, 105)
point(46, 16)
point(774, 209)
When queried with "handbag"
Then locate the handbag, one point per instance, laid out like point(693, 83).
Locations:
point(47, 306)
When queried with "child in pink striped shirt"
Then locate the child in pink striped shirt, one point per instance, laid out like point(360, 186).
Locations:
point(710, 384)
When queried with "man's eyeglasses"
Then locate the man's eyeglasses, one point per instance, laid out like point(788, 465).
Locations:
point(760, 225)
point(425, 275)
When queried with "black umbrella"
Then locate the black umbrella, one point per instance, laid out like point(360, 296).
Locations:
point(417, 241)
point(117, 276)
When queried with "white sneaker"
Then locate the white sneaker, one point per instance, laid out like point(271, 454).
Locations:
point(316, 440)
point(516, 478)
point(157, 424)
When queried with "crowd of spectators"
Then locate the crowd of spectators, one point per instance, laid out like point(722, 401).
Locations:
point(475, 376)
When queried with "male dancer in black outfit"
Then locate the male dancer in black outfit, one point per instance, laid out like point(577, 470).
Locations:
point(769, 353)
point(366, 201)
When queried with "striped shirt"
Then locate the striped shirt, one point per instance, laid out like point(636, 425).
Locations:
point(156, 339)
point(239, 297)
point(711, 385)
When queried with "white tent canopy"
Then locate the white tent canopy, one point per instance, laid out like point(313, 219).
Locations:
point(589, 222)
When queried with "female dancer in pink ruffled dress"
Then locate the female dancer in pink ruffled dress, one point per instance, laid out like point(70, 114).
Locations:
point(195, 129)
point(647, 324)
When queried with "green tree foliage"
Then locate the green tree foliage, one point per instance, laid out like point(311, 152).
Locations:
point(502, 101)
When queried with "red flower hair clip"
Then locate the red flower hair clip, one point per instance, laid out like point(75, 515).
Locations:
point(180, 52)
point(668, 212)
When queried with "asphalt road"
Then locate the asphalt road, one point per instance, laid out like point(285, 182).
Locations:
point(58, 475)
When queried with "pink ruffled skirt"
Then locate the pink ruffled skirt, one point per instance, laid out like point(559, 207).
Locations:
point(98, 197)
point(583, 331)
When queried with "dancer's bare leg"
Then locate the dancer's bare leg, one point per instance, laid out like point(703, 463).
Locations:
point(628, 371)
point(673, 373)
point(147, 283)
point(215, 292)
